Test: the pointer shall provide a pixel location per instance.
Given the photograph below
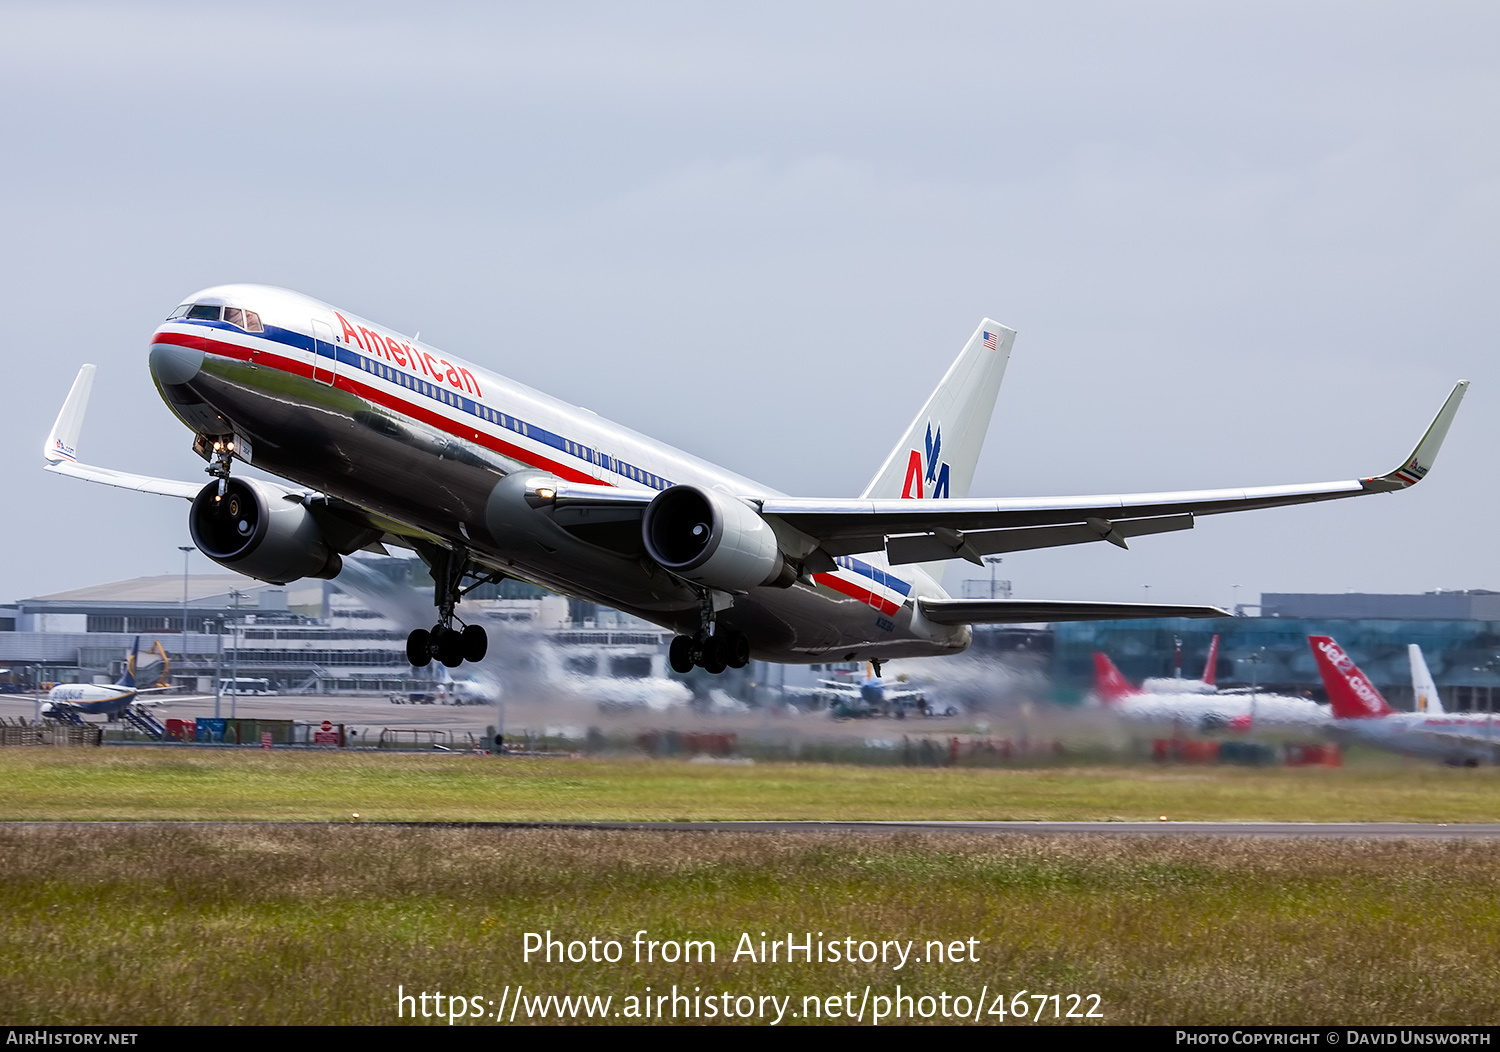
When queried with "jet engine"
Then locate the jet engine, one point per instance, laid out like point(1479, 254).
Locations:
point(262, 531)
point(713, 540)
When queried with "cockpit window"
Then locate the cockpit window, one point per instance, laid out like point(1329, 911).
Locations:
point(236, 316)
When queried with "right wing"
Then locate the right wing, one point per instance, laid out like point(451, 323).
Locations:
point(911, 531)
point(61, 451)
point(814, 531)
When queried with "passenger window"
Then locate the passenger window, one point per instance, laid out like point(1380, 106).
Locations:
point(252, 322)
point(234, 316)
point(203, 312)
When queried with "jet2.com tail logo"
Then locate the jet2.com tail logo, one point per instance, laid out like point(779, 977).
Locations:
point(932, 470)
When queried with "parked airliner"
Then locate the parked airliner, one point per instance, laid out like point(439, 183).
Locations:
point(1361, 714)
point(1209, 684)
point(389, 441)
point(71, 701)
point(1207, 713)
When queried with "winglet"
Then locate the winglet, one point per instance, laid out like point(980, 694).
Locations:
point(62, 443)
point(1421, 459)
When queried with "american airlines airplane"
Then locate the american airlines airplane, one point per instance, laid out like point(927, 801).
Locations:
point(1362, 714)
point(389, 441)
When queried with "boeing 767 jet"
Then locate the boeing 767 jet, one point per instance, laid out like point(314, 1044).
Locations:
point(385, 440)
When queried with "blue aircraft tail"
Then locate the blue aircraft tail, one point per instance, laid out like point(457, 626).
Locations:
point(128, 679)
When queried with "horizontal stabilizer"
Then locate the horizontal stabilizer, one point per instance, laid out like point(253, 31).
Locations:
point(1026, 611)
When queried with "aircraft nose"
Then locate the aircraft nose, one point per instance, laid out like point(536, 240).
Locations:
point(173, 365)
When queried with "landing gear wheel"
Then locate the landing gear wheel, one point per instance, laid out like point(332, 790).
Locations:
point(476, 643)
point(450, 648)
point(680, 654)
point(419, 648)
point(738, 646)
point(715, 655)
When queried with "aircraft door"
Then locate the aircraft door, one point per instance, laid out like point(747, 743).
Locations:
point(325, 362)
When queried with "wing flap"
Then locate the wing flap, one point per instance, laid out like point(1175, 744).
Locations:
point(951, 544)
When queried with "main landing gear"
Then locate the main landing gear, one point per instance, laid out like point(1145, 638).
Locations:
point(707, 649)
point(448, 643)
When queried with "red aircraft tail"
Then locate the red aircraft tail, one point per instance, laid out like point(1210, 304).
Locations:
point(1350, 691)
point(1109, 684)
point(1210, 667)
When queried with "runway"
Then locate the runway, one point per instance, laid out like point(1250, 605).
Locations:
point(1252, 830)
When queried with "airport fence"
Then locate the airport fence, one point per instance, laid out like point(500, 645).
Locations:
point(19, 732)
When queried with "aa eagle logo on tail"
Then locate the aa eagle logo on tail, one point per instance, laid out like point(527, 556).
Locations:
point(934, 471)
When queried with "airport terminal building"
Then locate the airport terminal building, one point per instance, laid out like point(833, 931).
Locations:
point(308, 637)
point(349, 636)
point(1458, 631)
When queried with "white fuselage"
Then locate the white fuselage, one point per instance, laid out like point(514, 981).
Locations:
point(426, 441)
point(1211, 712)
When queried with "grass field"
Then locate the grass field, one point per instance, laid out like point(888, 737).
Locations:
point(139, 925)
point(181, 783)
point(322, 923)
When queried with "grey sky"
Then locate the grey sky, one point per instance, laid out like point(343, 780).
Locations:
point(1241, 246)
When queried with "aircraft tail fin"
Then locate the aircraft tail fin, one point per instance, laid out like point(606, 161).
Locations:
point(1423, 689)
point(937, 455)
point(1109, 683)
point(128, 679)
point(1211, 666)
point(62, 443)
point(1350, 691)
point(166, 662)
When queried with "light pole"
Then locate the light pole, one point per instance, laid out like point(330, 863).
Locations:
point(994, 561)
point(1255, 659)
point(184, 549)
point(218, 663)
point(234, 676)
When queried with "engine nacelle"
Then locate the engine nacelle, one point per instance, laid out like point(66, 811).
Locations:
point(255, 530)
point(713, 540)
